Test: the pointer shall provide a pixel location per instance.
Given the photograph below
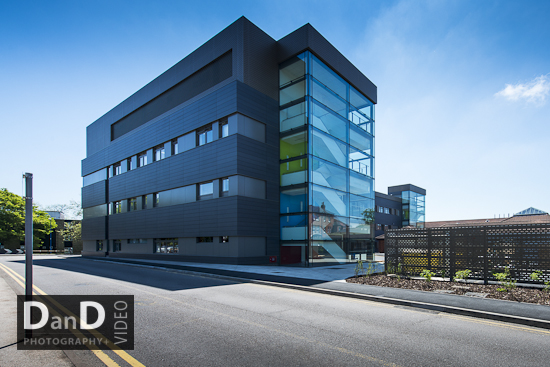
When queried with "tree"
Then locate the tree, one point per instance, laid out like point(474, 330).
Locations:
point(368, 216)
point(12, 219)
point(72, 231)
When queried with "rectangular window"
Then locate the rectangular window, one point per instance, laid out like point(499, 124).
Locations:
point(99, 245)
point(204, 136)
point(156, 199)
point(224, 239)
point(175, 147)
point(144, 202)
point(142, 159)
point(165, 246)
point(117, 245)
point(396, 211)
point(205, 239)
point(380, 209)
point(137, 240)
point(224, 187)
point(385, 227)
point(117, 207)
point(117, 169)
point(386, 210)
point(132, 204)
point(378, 227)
point(206, 191)
point(159, 153)
point(224, 129)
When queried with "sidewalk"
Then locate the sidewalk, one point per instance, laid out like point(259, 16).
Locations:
point(331, 280)
point(9, 355)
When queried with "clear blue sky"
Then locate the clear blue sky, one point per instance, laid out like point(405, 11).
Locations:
point(463, 86)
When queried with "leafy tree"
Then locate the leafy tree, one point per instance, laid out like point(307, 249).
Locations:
point(12, 219)
point(72, 231)
point(368, 216)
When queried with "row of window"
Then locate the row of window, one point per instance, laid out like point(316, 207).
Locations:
point(204, 191)
point(203, 135)
point(383, 210)
point(385, 227)
point(160, 246)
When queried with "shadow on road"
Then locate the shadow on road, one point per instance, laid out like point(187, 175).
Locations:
point(158, 278)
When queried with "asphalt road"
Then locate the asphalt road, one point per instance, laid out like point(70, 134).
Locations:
point(188, 320)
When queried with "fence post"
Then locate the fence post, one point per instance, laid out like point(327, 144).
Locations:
point(429, 248)
point(451, 255)
point(485, 258)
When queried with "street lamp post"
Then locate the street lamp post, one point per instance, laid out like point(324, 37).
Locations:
point(51, 244)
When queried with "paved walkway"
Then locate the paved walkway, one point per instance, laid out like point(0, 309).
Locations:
point(331, 280)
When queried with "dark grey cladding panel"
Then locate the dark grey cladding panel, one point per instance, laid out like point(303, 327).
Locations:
point(407, 187)
point(94, 194)
point(261, 67)
point(93, 228)
point(222, 102)
point(187, 117)
point(258, 217)
point(307, 38)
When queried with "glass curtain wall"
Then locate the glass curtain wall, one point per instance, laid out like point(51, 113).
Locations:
point(414, 209)
point(326, 166)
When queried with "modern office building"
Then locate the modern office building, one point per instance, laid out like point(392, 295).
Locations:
point(248, 151)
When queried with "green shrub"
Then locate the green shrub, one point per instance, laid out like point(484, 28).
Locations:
point(506, 279)
point(463, 274)
point(427, 274)
point(535, 276)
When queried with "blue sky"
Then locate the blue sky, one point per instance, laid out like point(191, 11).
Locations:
point(463, 86)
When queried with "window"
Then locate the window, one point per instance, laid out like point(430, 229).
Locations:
point(175, 147)
point(224, 129)
point(378, 227)
point(380, 209)
point(396, 211)
point(117, 169)
point(204, 136)
point(386, 210)
point(159, 153)
point(144, 202)
point(205, 239)
point(132, 204)
point(165, 246)
point(117, 207)
point(99, 245)
point(224, 187)
point(137, 240)
point(386, 227)
point(206, 191)
point(117, 245)
point(224, 239)
point(156, 199)
point(142, 159)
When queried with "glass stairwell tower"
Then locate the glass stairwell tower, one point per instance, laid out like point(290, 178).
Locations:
point(326, 166)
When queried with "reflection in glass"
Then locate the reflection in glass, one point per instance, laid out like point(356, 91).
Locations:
point(329, 122)
point(325, 200)
point(326, 147)
point(329, 78)
point(329, 99)
point(292, 69)
point(360, 162)
point(329, 175)
point(293, 117)
point(361, 139)
point(292, 92)
point(361, 185)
